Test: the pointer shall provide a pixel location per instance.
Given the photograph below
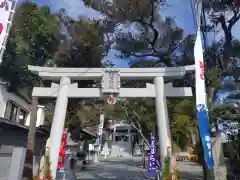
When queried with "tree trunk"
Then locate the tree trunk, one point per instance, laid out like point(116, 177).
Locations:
point(28, 165)
point(210, 93)
point(193, 137)
point(143, 155)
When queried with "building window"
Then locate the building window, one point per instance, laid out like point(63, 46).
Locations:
point(15, 112)
point(22, 116)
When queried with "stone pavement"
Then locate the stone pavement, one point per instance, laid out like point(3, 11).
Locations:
point(127, 169)
point(190, 170)
point(112, 169)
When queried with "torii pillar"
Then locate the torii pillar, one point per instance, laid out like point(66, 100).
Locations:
point(162, 119)
point(59, 119)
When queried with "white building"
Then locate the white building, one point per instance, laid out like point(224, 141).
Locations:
point(121, 141)
point(15, 108)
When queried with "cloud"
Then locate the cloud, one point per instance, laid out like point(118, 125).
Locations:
point(118, 62)
point(179, 9)
point(75, 8)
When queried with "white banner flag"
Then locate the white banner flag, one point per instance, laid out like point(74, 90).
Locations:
point(199, 71)
point(201, 102)
point(5, 11)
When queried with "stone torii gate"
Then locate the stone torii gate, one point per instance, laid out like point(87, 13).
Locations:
point(110, 84)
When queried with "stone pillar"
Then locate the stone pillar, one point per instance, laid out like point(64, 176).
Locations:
point(129, 140)
point(220, 169)
point(100, 132)
point(114, 134)
point(58, 123)
point(28, 164)
point(162, 119)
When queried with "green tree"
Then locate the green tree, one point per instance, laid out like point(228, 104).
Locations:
point(224, 14)
point(83, 44)
point(33, 39)
point(183, 122)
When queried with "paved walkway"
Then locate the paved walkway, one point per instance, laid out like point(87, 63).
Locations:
point(126, 169)
point(112, 169)
point(190, 170)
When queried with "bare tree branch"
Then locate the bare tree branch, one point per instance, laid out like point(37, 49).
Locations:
point(138, 129)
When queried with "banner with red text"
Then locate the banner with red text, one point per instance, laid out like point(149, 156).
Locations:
point(201, 102)
point(5, 12)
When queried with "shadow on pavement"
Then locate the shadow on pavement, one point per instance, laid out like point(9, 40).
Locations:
point(191, 176)
point(119, 162)
point(112, 170)
point(190, 170)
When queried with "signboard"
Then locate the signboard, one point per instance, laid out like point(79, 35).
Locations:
point(5, 11)
point(201, 102)
point(100, 131)
point(152, 163)
point(100, 128)
point(111, 81)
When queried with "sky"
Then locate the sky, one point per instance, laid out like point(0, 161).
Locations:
point(180, 10)
point(177, 9)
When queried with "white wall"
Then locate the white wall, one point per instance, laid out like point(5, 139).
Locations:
point(5, 96)
point(40, 116)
